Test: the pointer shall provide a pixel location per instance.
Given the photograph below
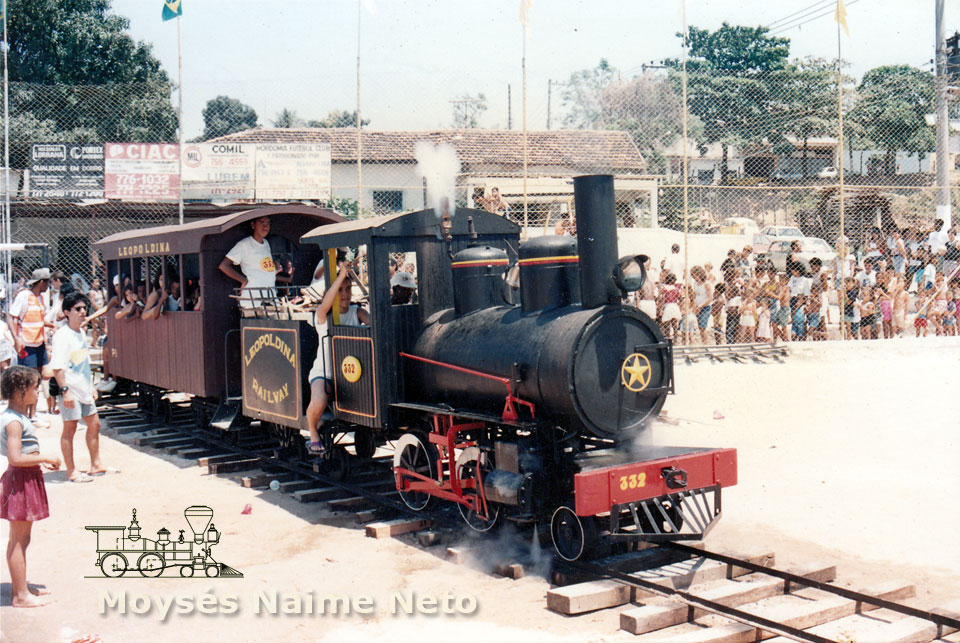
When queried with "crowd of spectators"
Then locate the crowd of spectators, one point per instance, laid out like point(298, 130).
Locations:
point(903, 283)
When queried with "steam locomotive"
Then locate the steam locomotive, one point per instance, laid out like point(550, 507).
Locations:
point(515, 385)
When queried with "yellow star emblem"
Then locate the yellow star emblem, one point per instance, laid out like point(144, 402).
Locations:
point(635, 372)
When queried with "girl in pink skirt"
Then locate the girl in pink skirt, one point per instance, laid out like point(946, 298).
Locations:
point(23, 498)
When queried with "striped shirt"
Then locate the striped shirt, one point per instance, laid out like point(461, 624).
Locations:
point(29, 443)
point(28, 308)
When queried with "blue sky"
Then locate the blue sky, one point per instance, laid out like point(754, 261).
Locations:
point(416, 55)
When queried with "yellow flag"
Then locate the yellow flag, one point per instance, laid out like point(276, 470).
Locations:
point(840, 15)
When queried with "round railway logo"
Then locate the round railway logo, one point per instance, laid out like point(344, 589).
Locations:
point(635, 372)
point(350, 367)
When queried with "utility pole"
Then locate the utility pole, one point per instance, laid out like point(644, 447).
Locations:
point(509, 109)
point(549, 87)
point(943, 124)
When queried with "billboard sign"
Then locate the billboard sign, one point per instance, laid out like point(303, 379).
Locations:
point(72, 171)
point(293, 171)
point(141, 171)
point(218, 171)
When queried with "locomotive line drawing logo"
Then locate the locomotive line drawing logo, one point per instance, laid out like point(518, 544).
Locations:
point(635, 372)
point(121, 550)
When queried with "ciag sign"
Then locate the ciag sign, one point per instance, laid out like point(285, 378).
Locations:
point(141, 171)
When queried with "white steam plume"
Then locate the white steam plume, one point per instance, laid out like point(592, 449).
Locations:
point(439, 165)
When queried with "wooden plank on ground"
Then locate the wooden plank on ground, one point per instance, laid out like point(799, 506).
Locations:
point(157, 436)
point(232, 466)
point(662, 613)
point(208, 460)
point(353, 502)
point(318, 493)
point(587, 597)
point(509, 570)
point(395, 527)
point(195, 453)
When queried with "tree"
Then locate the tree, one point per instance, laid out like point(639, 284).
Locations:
point(224, 115)
point(287, 118)
point(811, 102)
point(77, 76)
point(467, 110)
point(733, 77)
point(338, 118)
point(647, 106)
point(892, 101)
point(583, 96)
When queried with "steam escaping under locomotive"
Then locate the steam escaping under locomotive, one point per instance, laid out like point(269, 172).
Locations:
point(516, 384)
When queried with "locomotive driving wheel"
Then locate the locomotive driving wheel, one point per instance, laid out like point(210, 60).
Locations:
point(336, 463)
point(573, 536)
point(470, 461)
point(113, 565)
point(150, 565)
point(415, 453)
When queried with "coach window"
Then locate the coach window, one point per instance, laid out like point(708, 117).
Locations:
point(171, 279)
point(139, 279)
point(154, 266)
point(190, 278)
point(356, 257)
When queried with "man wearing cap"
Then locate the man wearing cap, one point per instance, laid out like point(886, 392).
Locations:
point(403, 287)
point(26, 322)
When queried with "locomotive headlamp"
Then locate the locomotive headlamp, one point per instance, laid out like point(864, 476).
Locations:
point(630, 272)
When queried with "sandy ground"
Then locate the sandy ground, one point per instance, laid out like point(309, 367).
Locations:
point(847, 454)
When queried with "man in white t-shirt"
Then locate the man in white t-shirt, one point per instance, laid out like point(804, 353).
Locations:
point(78, 398)
point(259, 271)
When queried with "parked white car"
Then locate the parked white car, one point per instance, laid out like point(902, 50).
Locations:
point(828, 172)
point(775, 231)
point(810, 247)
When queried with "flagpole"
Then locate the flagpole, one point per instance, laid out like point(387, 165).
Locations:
point(179, 123)
point(843, 235)
point(6, 156)
point(359, 121)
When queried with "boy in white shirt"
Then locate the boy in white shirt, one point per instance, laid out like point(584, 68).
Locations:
point(71, 368)
point(253, 256)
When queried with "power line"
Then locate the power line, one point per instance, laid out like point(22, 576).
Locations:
point(823, 3)
point(829, 11)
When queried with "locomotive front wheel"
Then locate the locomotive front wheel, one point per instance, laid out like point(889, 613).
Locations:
point(573, 536)
point(470, 459)
point(150, 565)
point(415, 453)
point(113, 565)
point(186, 571)
point(213, 571)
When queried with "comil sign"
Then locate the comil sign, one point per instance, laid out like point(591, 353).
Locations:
point(141, 171)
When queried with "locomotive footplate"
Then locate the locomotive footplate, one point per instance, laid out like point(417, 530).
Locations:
point(655, 492)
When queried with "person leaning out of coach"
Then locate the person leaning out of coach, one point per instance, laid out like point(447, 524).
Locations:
point(258, 271)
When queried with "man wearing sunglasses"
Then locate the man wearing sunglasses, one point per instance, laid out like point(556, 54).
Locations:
point(71, 368)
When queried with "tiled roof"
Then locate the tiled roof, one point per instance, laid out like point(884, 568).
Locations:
point(577, 149)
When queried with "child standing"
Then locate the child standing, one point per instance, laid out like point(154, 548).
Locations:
point(23, 498)
point(800, 318)
point(669, 304)
point(920, 321)
point(886, 313)
point(748, 316)
point(763, 324)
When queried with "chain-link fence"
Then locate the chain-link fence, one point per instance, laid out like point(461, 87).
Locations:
point(761, 161)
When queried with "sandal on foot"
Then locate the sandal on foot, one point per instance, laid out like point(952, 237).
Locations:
point(81, 477)
point(316, 448)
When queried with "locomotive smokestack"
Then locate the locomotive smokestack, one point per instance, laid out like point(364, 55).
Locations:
point(596, 238)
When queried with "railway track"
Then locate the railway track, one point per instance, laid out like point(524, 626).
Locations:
point(692, 594)
point(666, 592)
point(760, 352)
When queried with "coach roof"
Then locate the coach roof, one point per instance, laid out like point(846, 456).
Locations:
point(422, 223)
point(186, 238)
